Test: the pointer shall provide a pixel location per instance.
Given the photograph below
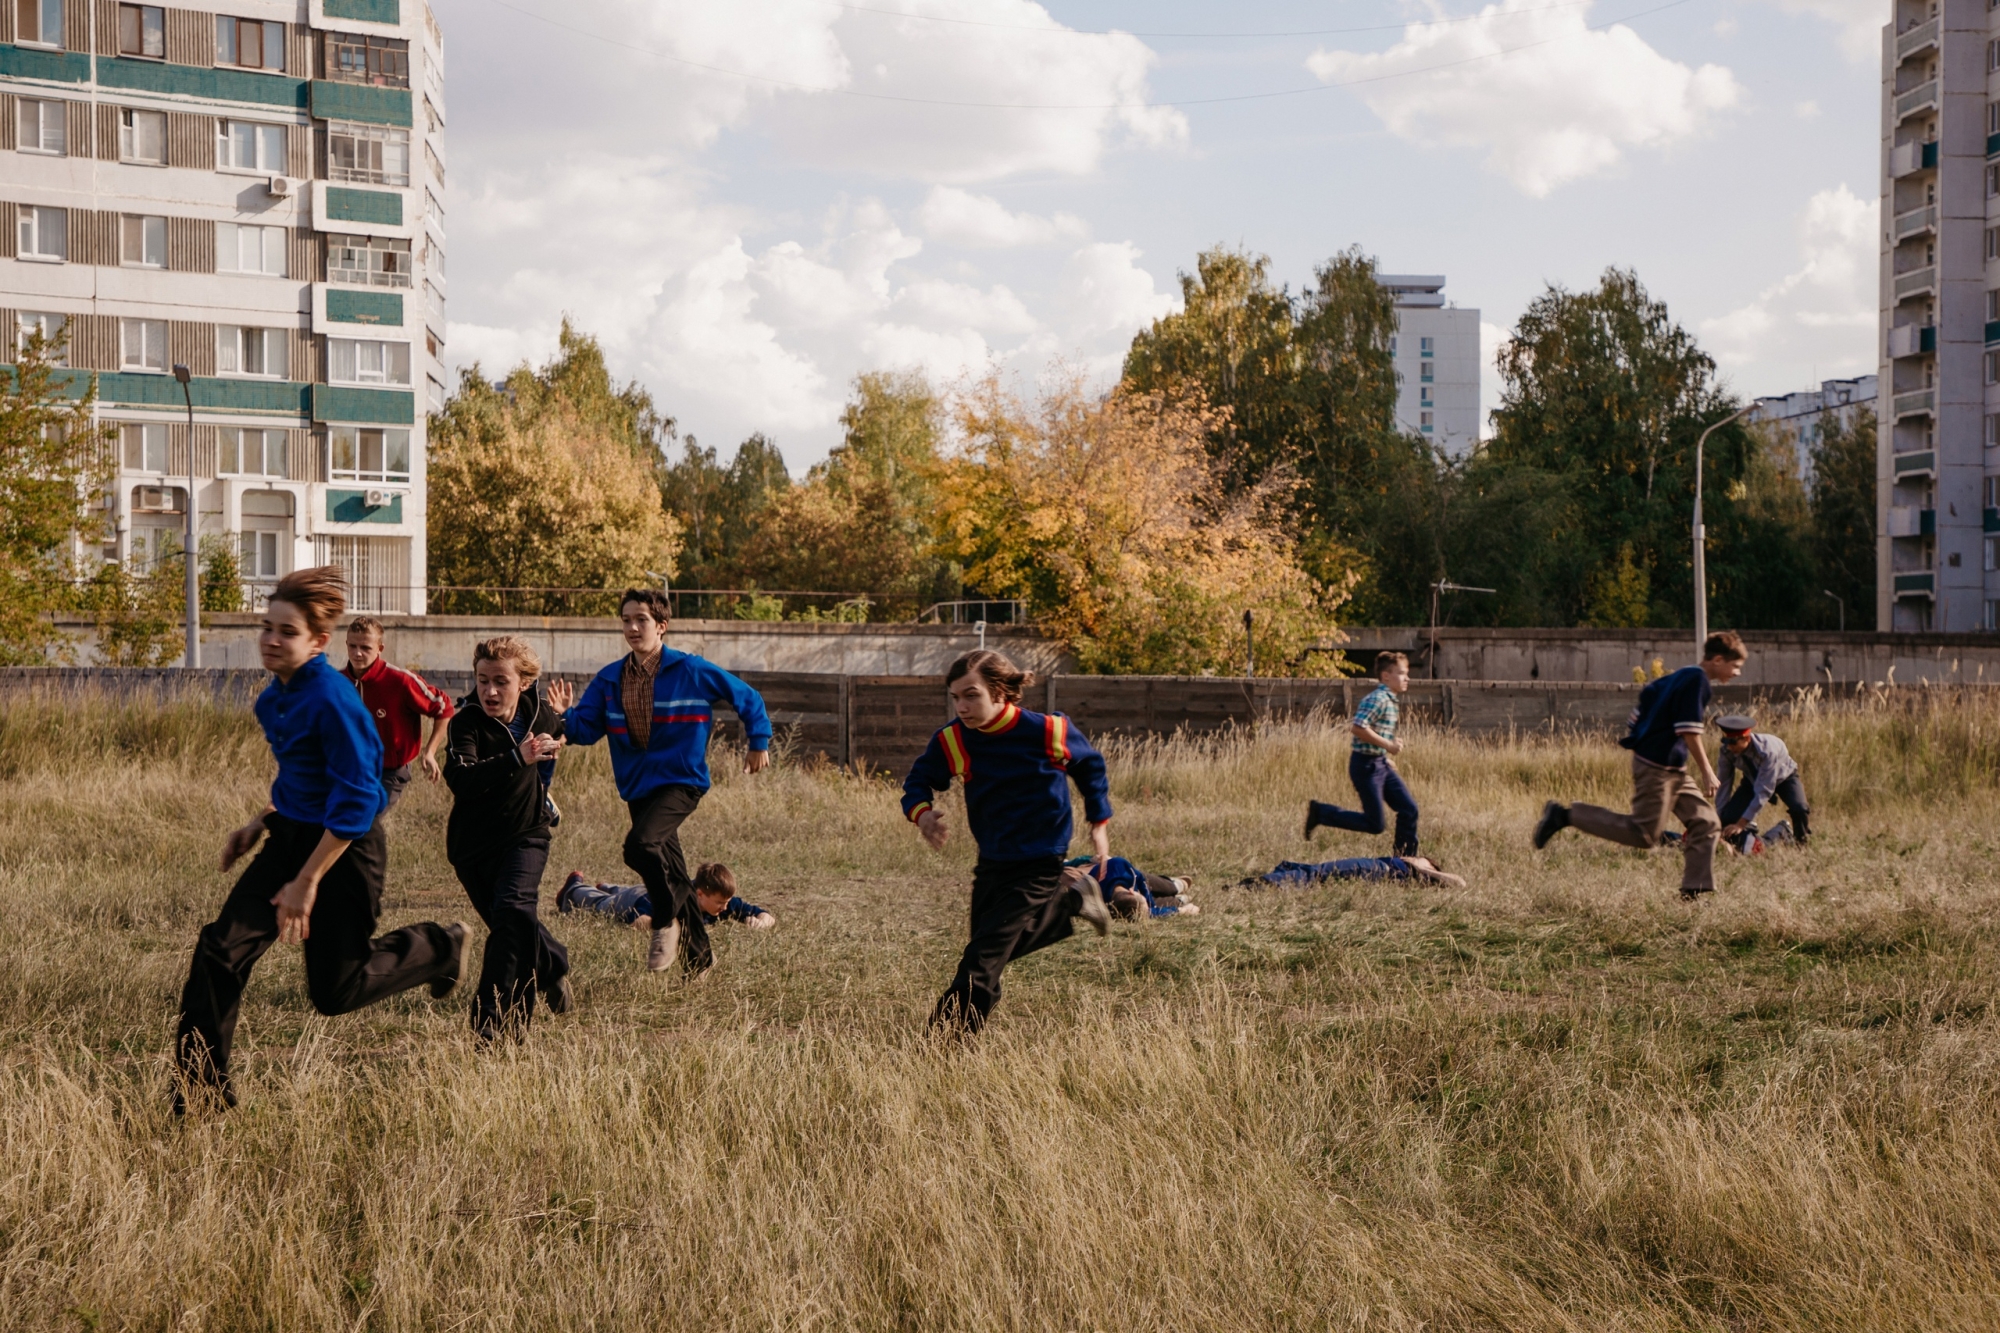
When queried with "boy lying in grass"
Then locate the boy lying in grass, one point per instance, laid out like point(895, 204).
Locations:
point(1130, 892)
point(1299, 875)
point(714, 897)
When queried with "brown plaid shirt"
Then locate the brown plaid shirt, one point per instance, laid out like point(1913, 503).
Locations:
point(635, 691)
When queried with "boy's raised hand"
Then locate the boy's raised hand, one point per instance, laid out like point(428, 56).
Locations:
point(931, 824)
point(561, 695)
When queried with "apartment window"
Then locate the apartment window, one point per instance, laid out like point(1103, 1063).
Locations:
point(44, 233)
point(369, 453)
point(1993, 242)
point(249, 43)
point(1993, 117)
point(381, 61)
point(434, 304)
point(1392, 344)
point(142, 344)
point(366, 361)
point(142, 31)
point(38, 22)
point(1426, 422)
point(367, 261)
point(142, 241)
point(1993, 305)
point(259, 553)
point(245, 145)
point(44, 126)
point(142, 135)
point(1992, 181)
point(1992, 563)
point(370, 154)
point(1425, 347)
point(1427, 371)
point(28, 323)
point(1993, 430)
point(253, 453)
point(1992, 369)
point(431, 161)
point(241, 350)
point(437, 394)
point(1992, 608)
point(145, 447)
point(1990, 493)
point(244, 248)
point(1424, 396)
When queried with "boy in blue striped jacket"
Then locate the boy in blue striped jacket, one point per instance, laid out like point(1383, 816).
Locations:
point(1375, 779)
point(656, 706)
point(1016, 767)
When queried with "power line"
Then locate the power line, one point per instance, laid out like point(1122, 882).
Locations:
point(1076, 106)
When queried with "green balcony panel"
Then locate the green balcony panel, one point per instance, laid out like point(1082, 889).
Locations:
point(353, 507)
point(1927, 522)
point(360, 101)
point(1913, 583)
point(364, 407)
point(1993, 330)
point(376, 206)
point(1990, 522)
point(24, 62)
point(222, 85)
point(1923, 462)
point(1930, 153)
point(262, 397)
point(365, 11)
point(1992, 146)
point(1926, 340)
point(347, 307)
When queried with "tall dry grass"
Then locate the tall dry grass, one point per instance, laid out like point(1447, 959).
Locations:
point(1558, 1099)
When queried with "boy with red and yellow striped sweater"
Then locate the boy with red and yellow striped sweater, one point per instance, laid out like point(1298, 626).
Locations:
point(1016, 767)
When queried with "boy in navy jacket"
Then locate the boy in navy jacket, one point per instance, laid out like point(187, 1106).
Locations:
point(1665, 729)
point(318, 879)
point(656, 706)
point(1016, 767)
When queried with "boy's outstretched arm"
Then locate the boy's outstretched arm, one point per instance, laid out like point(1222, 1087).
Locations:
point(930, 775)
point(1088, 771)
point(584, 724)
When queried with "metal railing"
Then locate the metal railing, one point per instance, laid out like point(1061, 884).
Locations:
point(1922, 402)
point(1916, 222)
point(1917, 38)
point(1915, 100)
point(1916, 282)
point(972, 611)
point(688, 603)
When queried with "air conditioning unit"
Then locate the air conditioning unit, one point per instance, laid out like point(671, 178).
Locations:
point(375, 499)
point(279, 187)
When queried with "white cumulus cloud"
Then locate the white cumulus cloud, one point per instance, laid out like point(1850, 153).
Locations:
point(1860, 22)
point(1547, 98)
point(959, 217)
point(1821, 314)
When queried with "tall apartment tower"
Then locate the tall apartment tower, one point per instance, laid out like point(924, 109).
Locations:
point(1940, 318)
point(253, 193)
point(1436, 351)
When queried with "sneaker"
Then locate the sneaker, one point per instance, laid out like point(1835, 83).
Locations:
point(1179, 886)
point(564, 902)
point(445, 982)
point(1779, 832)
point(561, 997)
point(666, 943)
point(1555, 818)
point(1092, 909)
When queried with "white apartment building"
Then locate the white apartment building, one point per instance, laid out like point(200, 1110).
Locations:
point(1940, 318)
point(1436, 349)
point(254, 192)
point(1796, 417)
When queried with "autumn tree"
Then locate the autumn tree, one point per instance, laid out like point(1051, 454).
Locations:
point(1125, 537)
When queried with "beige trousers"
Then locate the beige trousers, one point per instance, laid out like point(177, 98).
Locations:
point(1656, 793)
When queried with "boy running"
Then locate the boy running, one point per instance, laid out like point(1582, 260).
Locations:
point(657, 707)
point(1672, 711)
point(399, 701)
point(1016, 767)
point(318, 880)
point(1768, 770)
point(1375, 779)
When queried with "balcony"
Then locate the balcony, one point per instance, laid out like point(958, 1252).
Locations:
point(1921, 403)
point(1908, 158)
point(1923, 97)
point(1923, 37)
point(1916, 222)
point(1912, 340)
point(1922, 464)
point(1909, 521)
point(1917, 282)
point(1914, 585)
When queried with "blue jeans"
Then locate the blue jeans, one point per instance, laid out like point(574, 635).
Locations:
point(625, 903)
point(1378, 784)
point(1297, 874)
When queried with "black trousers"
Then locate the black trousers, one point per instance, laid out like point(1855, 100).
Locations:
point(346, 969)
point(1017, 908)
point(505, 889)
point(653, 849)
point(1791, 793)
point(395, 781)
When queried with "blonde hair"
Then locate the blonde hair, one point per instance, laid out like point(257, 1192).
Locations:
point(507, 648)
point(319, 594)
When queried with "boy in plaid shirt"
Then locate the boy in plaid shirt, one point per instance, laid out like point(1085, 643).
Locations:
point(1375, 779)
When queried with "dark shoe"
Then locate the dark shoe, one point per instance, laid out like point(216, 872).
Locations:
point(1555, 818)
point(1692, 895)
point(447, 981)
point(570, 886)
point(1313, 820)
point(561, 997)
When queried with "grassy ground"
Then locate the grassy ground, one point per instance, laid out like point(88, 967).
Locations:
point(1558, 1099)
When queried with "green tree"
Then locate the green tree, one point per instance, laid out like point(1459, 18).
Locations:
point(221, 575)
point(719, 507)
point(52, 460)
point(1843, 517)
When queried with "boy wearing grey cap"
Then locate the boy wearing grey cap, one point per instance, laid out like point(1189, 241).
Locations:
point(1767, 769)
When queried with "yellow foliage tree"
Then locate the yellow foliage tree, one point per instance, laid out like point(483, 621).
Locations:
point(1107, 516)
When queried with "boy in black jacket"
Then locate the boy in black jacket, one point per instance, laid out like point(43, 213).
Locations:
point(501, 759)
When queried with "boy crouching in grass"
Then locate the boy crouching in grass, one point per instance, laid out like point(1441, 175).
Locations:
point(629, 904)
point(1665, 729)
point(1767, 770)
point(1375, 778)
point(1016, 767)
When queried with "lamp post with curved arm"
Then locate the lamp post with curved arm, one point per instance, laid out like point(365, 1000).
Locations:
point(192, 657)
point(1701, 533)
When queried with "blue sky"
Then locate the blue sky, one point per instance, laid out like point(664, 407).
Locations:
point(752, 202)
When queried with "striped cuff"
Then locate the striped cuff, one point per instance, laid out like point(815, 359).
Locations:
point(916, 812)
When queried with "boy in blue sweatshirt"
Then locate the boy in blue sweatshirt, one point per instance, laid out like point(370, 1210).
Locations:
point(656, 706)
point(1016, 767)
point(1665, 729)
point(318, 880)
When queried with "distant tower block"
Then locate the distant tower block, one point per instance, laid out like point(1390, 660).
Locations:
point(1437, 363)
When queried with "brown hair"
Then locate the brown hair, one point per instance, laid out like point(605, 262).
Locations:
point(507, 648)
point(716, 878)
point(996, 670)
point(1724, 643)
point(1383, 661)
point(319, 594)
point(364, 625)
point(652, 599)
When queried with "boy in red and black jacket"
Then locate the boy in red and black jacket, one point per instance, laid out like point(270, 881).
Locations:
point(1016, 767)
point(399, 701)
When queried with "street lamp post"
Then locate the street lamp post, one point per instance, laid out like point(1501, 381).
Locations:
point(1701, 534)
point(1837, 601)
point(192, 657)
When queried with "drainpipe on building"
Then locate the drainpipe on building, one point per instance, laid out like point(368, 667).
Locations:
point(192, 656)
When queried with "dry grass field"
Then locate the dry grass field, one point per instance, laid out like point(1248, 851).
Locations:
point(1557, 1099)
